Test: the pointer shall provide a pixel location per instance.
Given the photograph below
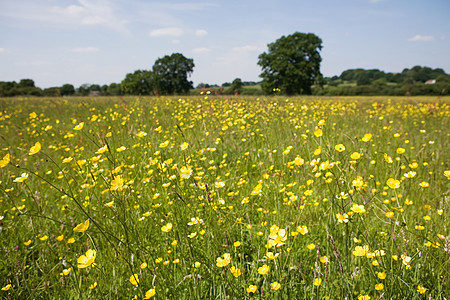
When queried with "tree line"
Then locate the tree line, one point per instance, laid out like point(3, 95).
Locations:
point(291, 66)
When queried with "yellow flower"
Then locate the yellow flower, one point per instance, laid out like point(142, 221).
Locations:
point(235, 271)
point(87, 260)
point(339, 148)
point(263, 270)
point(311, 247)
point(379, 286)
point(447, 174)
point(318, 132)
point(60, 238)
point(318, 151)
point(251, 288)
point(358, 208)
point(66, 272)
point(22, 178)
point(35, 149)
point(223, 262)
point(393, 183)
point(237, 244)
point(360, 251)
point(219, 184)
point(355, 155)
point(257, 190)
point(6, 159)
point(342, 218)
point(317, 281)
point(27, 243)
point(381, 275)
point(102, 149)
point(117, 183)
point(134, 279)
point(44, 238)
point(302, 229)
point(367, 137)
point(363, 297)
point(6, 287)
point(400, 150)
point(82, 227)
point(424, 184)
point(164, 144)
point(324, 259)
point(71, 241)
point(389, 214)
point(141, 134)
point(167, 227)
point(184, 146)
point(421, 289)
point(150, 293)
point(93, 286)
point(275, 285)
point(185, 172)
point(79, 126)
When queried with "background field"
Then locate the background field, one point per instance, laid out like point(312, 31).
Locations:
point(211, 197)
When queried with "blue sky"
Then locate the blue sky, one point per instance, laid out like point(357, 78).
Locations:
point(55, 42)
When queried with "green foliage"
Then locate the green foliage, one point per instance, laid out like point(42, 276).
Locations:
point(292, 64)
point(236, 86)
point(141, 82)
point(171, 74)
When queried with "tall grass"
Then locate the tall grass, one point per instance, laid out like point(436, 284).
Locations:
point(217, 198)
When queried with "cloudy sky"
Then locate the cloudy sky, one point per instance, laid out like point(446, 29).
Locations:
point(55, 42)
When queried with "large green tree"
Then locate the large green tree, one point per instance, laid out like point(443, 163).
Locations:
point(171, 74)
point(292, 64)
point(141, 82)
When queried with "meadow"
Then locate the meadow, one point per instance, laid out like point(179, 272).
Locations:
point(208, 197)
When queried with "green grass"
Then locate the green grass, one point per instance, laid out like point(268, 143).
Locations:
point(180, 193)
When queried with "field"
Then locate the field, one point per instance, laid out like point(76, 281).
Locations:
point(209, 197)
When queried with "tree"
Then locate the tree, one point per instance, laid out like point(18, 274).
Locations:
point(172, 72)
point(141, 82)
point(236, 86)
point(67, 90)
point(292, 64)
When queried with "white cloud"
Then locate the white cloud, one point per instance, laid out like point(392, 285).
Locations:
point(421, 38)
point(248, 48)
point(85, 49)
point(201, 50)
point(201, 32)
point(168, 31)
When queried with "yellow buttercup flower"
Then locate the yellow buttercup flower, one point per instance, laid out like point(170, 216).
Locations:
point(317, 281)
point(421, 289)
point(263, 270)
point(134, 279)
point(275, 286)
point(251, 288)
point(79, 126)
point(339, 148)
point(393, 183)
point(360, 251)
point(150, 293)
point(224, 260)
point(87, 260)
point(82, 227)
point(367, 137)
point(235, 271)
point(185, 172)
point(6, 159)
point(35, 149)
point(167, 227)
point(6, 287)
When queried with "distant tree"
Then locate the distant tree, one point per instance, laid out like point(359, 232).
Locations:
point(292, 64)
point(141, 82)
point(67, 90)
point(83, 90)
point(26, 83)
point(236, 86)
point(114, 89)
point(172, 72)
point(52, 92)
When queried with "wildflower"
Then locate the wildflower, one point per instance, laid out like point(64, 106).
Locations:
point(184, 146)
point(263, 270)
point(219, 184)
point(79, 126)
point(355, 155)
point(298, 161)
point(93, 286)
point(360, 251)
point(87, 260)
point(277, 237)
point(257, 190)
point(318, 132)
point(271, 256)
point(82, 227)
point(144, 265)
point(235, 271)
point(150, 293)
point(393, 183)
point(185, 172)
point(224, 260)
point(302, 229)
point(251, 288)
point(447, 174)
point(6, 159)
point(363, 297)
point(117, 183)
point(134, 279)
point(381, 275)
point(339, 148)
point(167, 227)
point(44, 238)
point(66, 272)
point(389, 214)
point(358, 208)
point(22, 178)
point(35, 149)
point(424, 184)
point(318, 151)
point(275, 285)
point(27, 243)
point(164, 144)
point(367, 137)
point(311, 247)
point(421, 289)
point(102, 150)
point(324, 259)
point(71, 241)
point(400, 150)
point(317, 281)
point(237, 244)
point(342, 218)
point(6, 287)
